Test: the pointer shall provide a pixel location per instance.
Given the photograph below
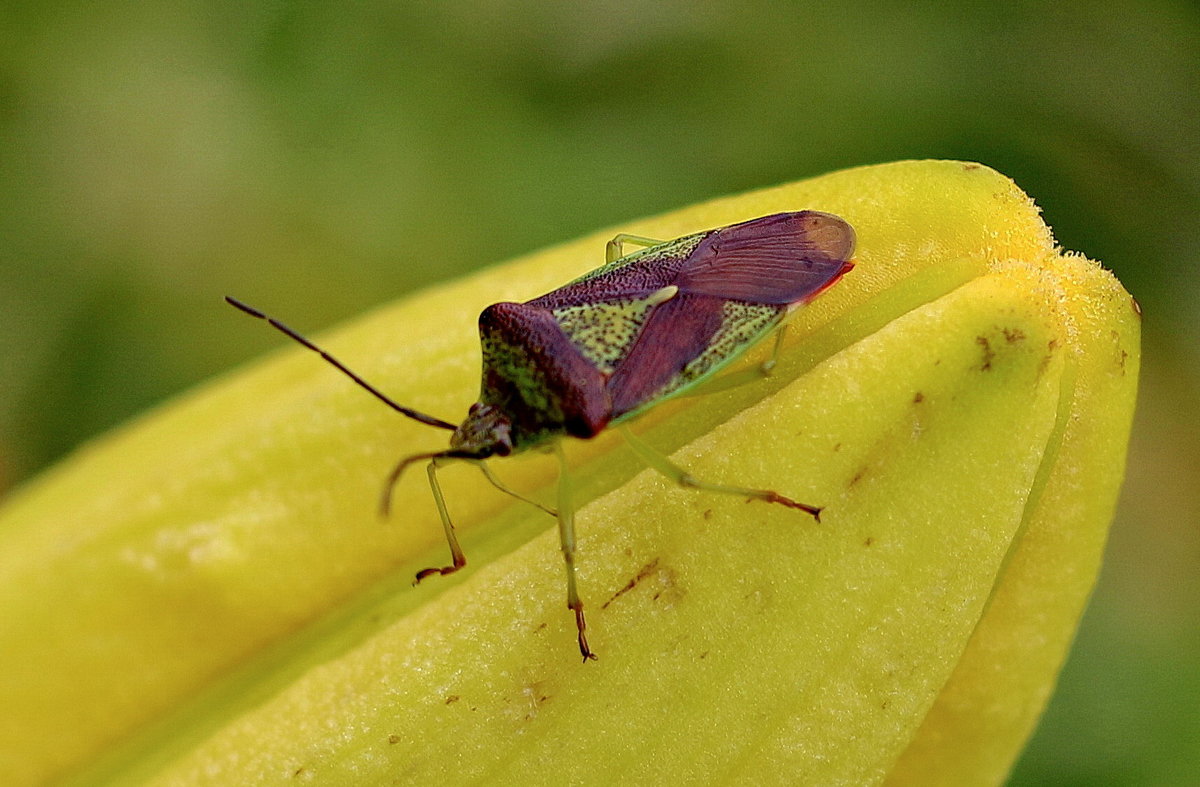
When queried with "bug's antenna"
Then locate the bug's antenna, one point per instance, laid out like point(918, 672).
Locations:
point(385, 502)
point(413, 414)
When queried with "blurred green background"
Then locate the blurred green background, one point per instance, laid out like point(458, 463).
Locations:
point(318, 158)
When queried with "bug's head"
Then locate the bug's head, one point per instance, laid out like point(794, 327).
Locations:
point(487, 431)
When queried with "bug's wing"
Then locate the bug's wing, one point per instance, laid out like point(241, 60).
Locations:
point(675, 334)
point(767, 265)
point(784, 258)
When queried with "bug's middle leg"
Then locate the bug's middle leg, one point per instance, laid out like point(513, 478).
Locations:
point(682, 477)
point(615, 249)
point(506, 489)
point(566, 534)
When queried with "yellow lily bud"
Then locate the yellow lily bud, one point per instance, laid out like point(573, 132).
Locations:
point(208, 595)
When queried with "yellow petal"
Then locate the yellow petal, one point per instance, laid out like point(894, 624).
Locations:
point(208, 597)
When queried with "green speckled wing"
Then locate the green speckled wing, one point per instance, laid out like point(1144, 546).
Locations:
point(604, 332)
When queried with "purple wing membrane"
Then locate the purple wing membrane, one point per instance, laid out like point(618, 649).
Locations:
point(784, 258)
point(676, 333)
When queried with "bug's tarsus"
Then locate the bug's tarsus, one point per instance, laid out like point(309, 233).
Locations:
point(300, 339)
point(771, 496)
point(581, 627)
point(440, 571)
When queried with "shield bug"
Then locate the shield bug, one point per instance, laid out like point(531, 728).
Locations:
point(619, 340)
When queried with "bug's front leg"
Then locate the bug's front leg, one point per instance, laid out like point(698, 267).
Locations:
point(682, 477)
point(566, 535)
point(456, 554)
point(615, 249)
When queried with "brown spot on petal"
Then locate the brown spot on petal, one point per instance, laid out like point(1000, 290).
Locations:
point(988, 353)
point(1051, 346)
point(1013, 335)
point(646, 571)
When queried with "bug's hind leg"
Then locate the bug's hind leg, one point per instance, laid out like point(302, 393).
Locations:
point(744, 376)
point(767, 367)
point(682, 477)
point(615, 249)
point(566, 534)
